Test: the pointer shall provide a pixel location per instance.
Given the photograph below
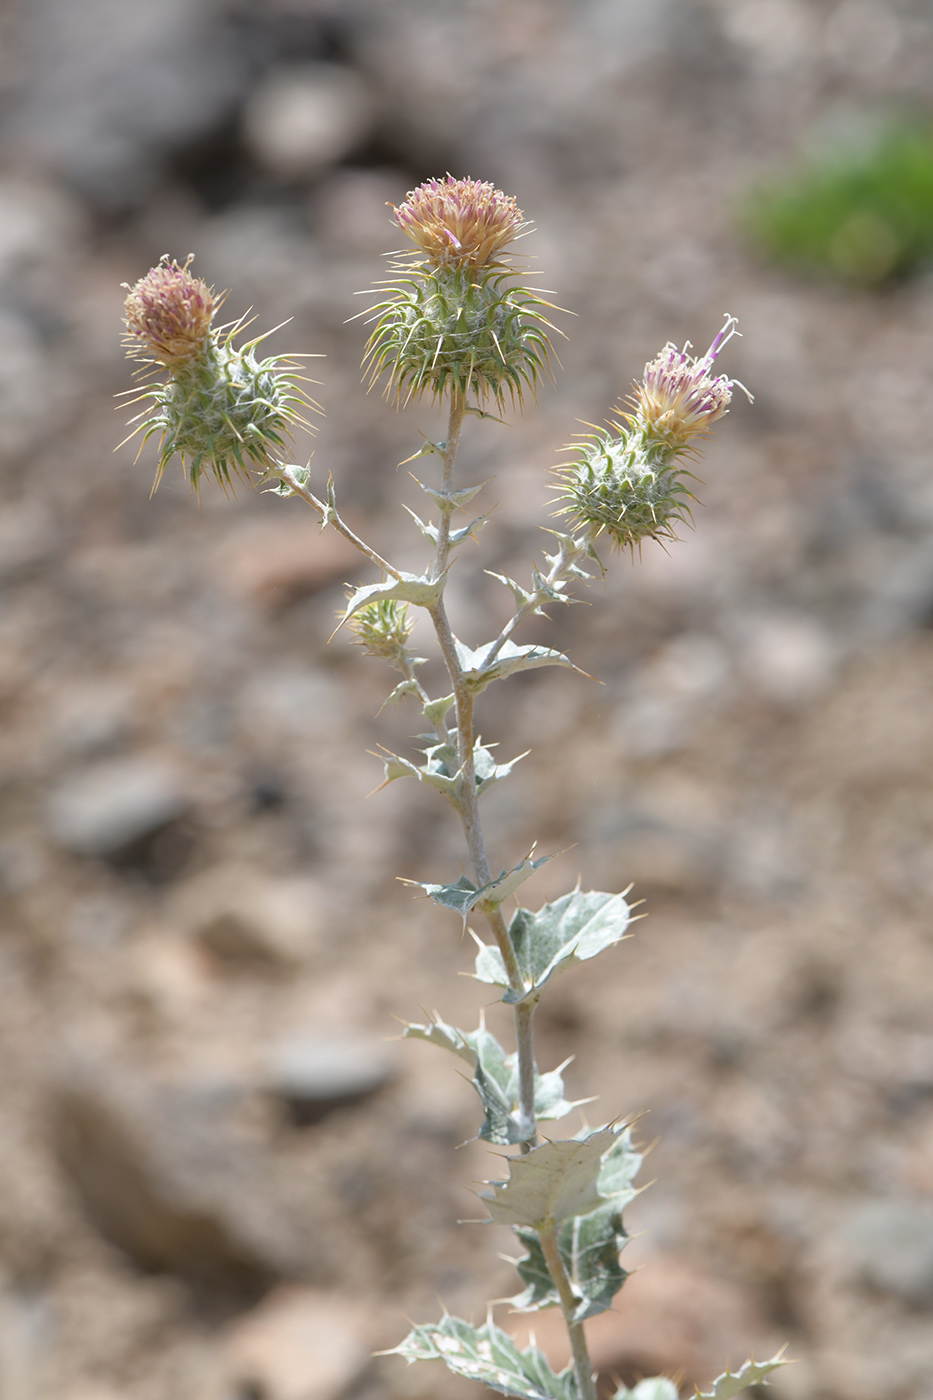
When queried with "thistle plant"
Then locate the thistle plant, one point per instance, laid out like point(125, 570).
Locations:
point(456, 322)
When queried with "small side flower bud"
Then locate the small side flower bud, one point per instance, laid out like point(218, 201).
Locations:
point(221, 409)
point(382, 629)
point(455, 318)
point(627, 481)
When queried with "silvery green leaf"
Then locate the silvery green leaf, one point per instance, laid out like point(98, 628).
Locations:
point(572, 929)
point(464, 895)
point(409, 686)
point(407, 588)
point(398, 767)
point(552, 1183)
point(449, 501)
point(425, 526)
point(460, 897)
point(488, 771)
point(521, 595)
point(590, 1245)
point(651, 1388)
point(490, 1356)
point(495, 1079)
point(436, 711)
point(509, 660)
point(752, 1373)
point(508, 882)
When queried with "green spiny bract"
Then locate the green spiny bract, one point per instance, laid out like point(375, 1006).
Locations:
point(382, 629)
point(224, 411)
point(462, 329)
point(627, 487)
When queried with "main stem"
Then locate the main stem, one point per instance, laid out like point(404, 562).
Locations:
point(473, 831)
point(582, 1365)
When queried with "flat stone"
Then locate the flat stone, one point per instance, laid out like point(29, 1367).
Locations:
point(163, 1176)
point(301, 120)
point(888, 1246)
point(300, 1344)
point(103, 810)
point(246, 919)
point(315, 1074)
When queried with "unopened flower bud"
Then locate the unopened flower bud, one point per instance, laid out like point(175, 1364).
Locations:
point(382, 629)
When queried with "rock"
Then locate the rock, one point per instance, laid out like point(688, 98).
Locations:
point(316, 1074)
point(888, 1246)
point(275, 563)
point(301, 1344)
point(105, 809)
point(789, 659)
point(301, 120)
point(163, 1176)
point(106, 114)
point(244, 918)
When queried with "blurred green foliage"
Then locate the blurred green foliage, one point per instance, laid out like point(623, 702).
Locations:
point(863, 214)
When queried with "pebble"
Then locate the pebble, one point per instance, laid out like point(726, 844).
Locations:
point(244, 918)
point(163, 1176)
point(102, 810)
point(315, 1074)
point(300, 1344)
point(302, 120)
point(888, 1246)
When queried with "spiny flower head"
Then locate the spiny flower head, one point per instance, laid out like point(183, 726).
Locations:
point(221, 408)
point(169, 314)
point(627, 482)
point(455, 319)
point(459, 223)
point(679, 398)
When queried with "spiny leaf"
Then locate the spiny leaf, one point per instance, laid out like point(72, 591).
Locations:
point(407, 588)
point(572, 929)
point(449, 501)
point(589, 1245)
point(552, 1183)
point(495, 1079)
point(752, 1373)
point(455, 537)
point(489, 1355)
point(651, 1388)
point(464, 896)
point(521, 595)
point(509, 660)
point(441, 768)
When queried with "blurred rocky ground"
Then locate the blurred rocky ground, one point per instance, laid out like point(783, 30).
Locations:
point(220, 1179)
